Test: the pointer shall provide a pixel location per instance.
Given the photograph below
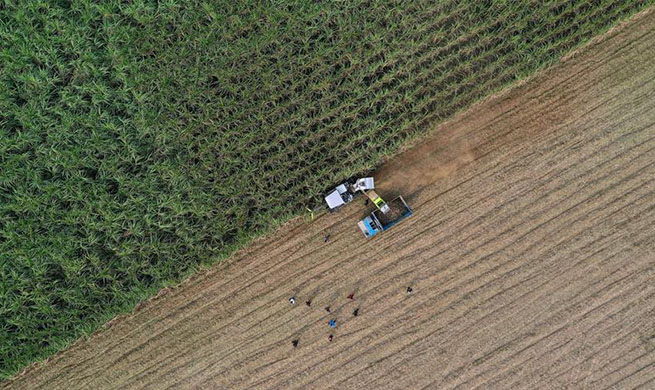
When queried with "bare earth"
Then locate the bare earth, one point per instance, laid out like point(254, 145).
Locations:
point(531, 255)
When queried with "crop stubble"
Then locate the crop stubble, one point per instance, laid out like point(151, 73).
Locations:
point(531, 258)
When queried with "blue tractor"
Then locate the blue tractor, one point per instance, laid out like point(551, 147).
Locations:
point(387, 215)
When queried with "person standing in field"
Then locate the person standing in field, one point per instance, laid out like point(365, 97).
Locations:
point(292, 300)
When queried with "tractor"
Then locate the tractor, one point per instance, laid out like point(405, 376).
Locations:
point(386, 215)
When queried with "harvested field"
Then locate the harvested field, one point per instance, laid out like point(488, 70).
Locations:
point(531, 255)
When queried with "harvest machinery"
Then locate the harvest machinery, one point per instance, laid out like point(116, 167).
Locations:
point(345, 192)
point(387, 214)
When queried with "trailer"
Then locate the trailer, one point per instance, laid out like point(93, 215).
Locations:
point(379, 221)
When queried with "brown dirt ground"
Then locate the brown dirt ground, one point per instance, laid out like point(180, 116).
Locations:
point(531, 254)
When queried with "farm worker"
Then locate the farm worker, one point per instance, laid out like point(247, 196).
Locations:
point(327, 309)
point(292, 300)
point(295, 343)
point(308, 303)
point(330, 337)
point(327, 238)
point(351, 296)
point(409, 290)
point(356, 312)
point(333, 323)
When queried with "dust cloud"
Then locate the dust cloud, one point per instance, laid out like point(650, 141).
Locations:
point(425, 163)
